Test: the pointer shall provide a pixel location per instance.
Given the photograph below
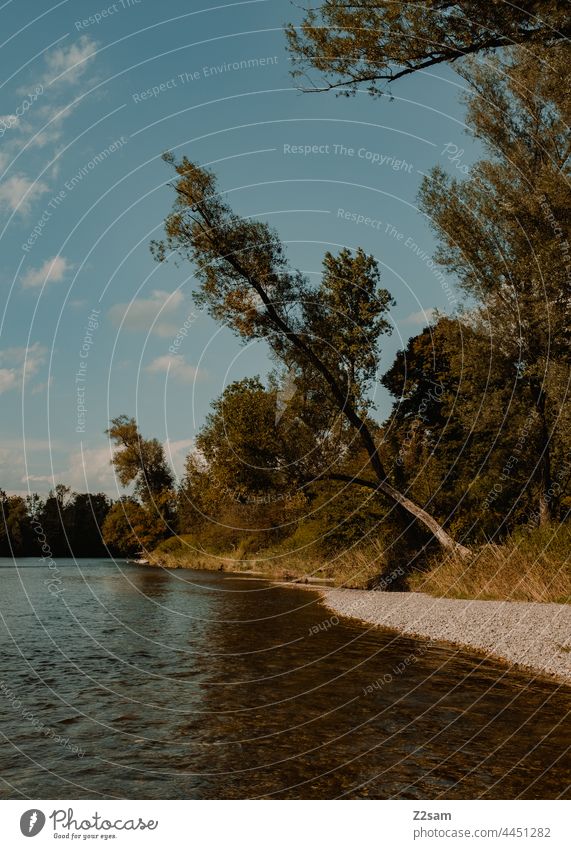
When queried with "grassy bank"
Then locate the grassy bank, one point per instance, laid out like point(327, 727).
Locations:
point(532, 565)
point(360, 568)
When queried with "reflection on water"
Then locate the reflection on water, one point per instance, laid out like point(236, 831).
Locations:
point(199, 685)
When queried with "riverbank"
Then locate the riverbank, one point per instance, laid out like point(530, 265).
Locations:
point(528, 635)
point(531, 635)
point(532, 565)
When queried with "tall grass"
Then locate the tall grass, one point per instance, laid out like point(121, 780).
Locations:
point(532, 565)
point(360, 568)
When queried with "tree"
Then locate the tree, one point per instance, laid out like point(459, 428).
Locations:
point(15, 530)
point(459, 435)
point(240, 442)
point(251, 458)
point(376, 42)
point(130, 529)
point(505, 230)
point(84, 520)
point(51, 517)
point(246, 282)
point(70, 522)
point(141, 462)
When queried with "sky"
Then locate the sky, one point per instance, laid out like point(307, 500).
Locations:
point(91, 326)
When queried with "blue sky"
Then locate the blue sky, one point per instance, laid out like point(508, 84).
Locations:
point(93, 93)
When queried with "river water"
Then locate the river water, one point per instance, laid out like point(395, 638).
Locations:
point(134, 682)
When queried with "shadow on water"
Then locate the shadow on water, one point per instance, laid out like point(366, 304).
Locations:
point(199, 685)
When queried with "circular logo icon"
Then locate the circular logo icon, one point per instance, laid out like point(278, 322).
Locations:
point(32, 822)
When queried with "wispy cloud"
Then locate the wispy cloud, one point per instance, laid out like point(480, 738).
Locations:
point(18, 193)
point(66, 64)
point(20, 364)
point(90, 470)
point(152, 315)
point(176, 366)
point(51, 271)
point(42, 123)
point(422, 317)
point(8, 379)
point(86, 469)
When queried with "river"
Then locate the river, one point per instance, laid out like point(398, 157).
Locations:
point(134, 682)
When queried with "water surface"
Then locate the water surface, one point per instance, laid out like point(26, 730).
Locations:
point(134, 682)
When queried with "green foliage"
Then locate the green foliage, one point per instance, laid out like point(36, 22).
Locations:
point(459, 437)
point(139, 461)
point(130, 528)
point(503, 231)
point(15, 530)
point(70, 522)
point(329, 337)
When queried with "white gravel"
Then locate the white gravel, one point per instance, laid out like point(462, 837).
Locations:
point(531, 636)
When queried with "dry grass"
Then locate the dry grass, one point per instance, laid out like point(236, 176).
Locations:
point(531, 566)
point(357, 569)
point(521, 570)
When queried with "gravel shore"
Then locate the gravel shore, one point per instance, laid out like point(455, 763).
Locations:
point(532, 636)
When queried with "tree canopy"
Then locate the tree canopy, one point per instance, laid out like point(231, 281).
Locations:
point(373, 43)
point(504, 231)
point(330, 335)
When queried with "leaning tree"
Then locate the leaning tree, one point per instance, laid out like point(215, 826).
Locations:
point(329, 335)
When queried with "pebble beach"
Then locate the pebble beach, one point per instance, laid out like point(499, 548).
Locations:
point(531, 636)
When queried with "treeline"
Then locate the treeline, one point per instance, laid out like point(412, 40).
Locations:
point(64, 524)
point(477, 443)
point(267, 474)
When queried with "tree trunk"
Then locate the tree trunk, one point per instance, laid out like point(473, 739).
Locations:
point(345, 406)
point(445, 540)
point(546, 495)
point(547, 499)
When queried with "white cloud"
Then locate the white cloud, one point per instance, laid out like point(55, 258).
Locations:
point(84, 469)
point(52, 271)
point(422, 317)
point(25, 461)
point(87, 470)
point(18, 193)
point(68, 63)
point(44, 119)
point(176, 366)
point(8, 379)
point(19, 364)
point(155, 314)
point(41, 387)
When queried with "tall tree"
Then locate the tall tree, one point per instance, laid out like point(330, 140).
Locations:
point(84, 518)
point(375, 42)
point(460, 434)
point(246, 282)
point(52, 519)
point(505, 229)
point(142, 462)
point(139, 461)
